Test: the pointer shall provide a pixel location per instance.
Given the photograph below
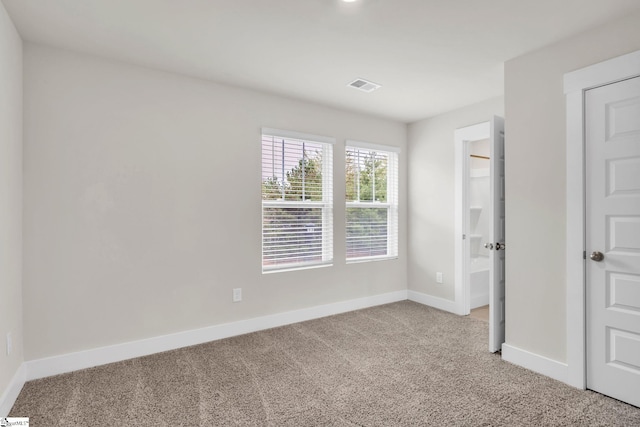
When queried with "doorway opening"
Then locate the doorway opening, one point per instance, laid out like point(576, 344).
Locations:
point(479, 258)
point(479, 223)
point(603, 101)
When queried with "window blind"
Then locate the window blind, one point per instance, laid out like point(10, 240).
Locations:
point(371, 202)
point(297, 201)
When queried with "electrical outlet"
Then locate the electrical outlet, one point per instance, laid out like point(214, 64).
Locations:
point(237, 294)
point(9, 344)
point(439, 277)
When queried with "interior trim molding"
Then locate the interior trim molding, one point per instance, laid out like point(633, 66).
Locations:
point(536, 363)
point(10, 395)
point(55, 365)
point(435, 302)
point(602, 73)
point(461, 137)
point(479, 301)
point(576, 83)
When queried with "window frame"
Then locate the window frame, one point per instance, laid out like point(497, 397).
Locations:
point(391, 204)
point(326, 205)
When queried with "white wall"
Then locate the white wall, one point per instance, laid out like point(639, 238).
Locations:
point(431, 196)
point(535, 182)
point(10, 199)
point(142, 204)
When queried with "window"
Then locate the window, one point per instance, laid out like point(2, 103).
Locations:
point(297, 200)
point(372, 201)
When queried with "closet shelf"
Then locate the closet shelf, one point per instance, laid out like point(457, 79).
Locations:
point(475, 208)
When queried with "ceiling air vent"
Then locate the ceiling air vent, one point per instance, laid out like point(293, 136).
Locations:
point(364, 85)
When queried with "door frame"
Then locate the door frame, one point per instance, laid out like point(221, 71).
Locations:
point(576, 83)
point(463, 136)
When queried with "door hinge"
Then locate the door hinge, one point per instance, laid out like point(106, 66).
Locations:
point(584, 254)
point(464, 236)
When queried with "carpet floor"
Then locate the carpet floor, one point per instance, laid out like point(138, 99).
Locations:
point(401, 364)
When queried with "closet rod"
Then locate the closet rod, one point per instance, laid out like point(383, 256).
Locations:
point(480, 157)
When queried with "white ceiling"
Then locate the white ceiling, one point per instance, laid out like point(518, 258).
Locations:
point(430, 56)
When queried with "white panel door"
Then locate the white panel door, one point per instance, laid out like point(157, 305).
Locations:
point(612, 234)
point(496, 235)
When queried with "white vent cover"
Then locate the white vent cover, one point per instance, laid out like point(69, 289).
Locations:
point(364, 85)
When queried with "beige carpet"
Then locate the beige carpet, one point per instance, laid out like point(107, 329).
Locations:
point(401, 364)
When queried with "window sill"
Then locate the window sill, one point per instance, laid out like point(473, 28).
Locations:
point(370, 259)
point(296, 268)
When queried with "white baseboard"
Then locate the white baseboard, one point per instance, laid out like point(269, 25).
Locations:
point(435, 302)
point(10, 395)
point(55, 365)
point(479, 301)
point(534, 362)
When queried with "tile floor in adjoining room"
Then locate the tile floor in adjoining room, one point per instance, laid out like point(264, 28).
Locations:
point(480, 313)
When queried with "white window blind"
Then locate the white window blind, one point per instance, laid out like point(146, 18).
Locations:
point(297, 200)
point(371, 202)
